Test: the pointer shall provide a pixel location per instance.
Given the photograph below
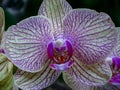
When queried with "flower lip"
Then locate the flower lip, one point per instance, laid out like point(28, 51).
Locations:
point(115, 80)
point(62, 67)
point(60, 51)
point(115, 71)
point(116, 62)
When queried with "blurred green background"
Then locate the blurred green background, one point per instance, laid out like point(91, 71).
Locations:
point(16, 10)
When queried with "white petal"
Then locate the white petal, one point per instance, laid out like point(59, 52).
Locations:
point(110, 87)
point(116, 50)
point(26, 43)
point(55, 10)
point(92, 34)
point(36, 81)
point(95, 74)
point(77, 85)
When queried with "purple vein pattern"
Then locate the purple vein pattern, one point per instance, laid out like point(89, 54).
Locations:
point(26, 44)
point(58, 40)
point(55, 10)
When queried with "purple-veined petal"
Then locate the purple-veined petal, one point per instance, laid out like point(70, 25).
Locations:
point(92, 34)
point(95, 74)
point(105, 87)
point(2, 23)
point(110, 87)
point(55, 10)
point(36, 81)
point(116, 50)
point(114, 57)
point(6, 73)
point(25, 44)
point(15, 87)
point(115, 60)
point(70, 49)
point(77, 85)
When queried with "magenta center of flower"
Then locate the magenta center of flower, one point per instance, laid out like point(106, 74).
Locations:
point(60, 51)
point(115, 67)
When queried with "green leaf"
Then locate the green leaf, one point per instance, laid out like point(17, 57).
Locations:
point(6, 73)
point(2, 22)
point(7, 82)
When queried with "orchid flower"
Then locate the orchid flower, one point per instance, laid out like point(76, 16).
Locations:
point(58, 40)
point(6, 67)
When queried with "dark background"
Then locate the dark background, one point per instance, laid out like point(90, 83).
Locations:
point(16, 10)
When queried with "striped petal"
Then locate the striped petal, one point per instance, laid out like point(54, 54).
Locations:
point(55, 10)
point(106, 87)
point(110, 87)
point(92, 34)
point(25, 44)
point(15, 87)
point(95, 74)
point(6, 76)
point(77, 85)
point(114, 60)
point(36, 81)
point(116, 50)
point(2, 23)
